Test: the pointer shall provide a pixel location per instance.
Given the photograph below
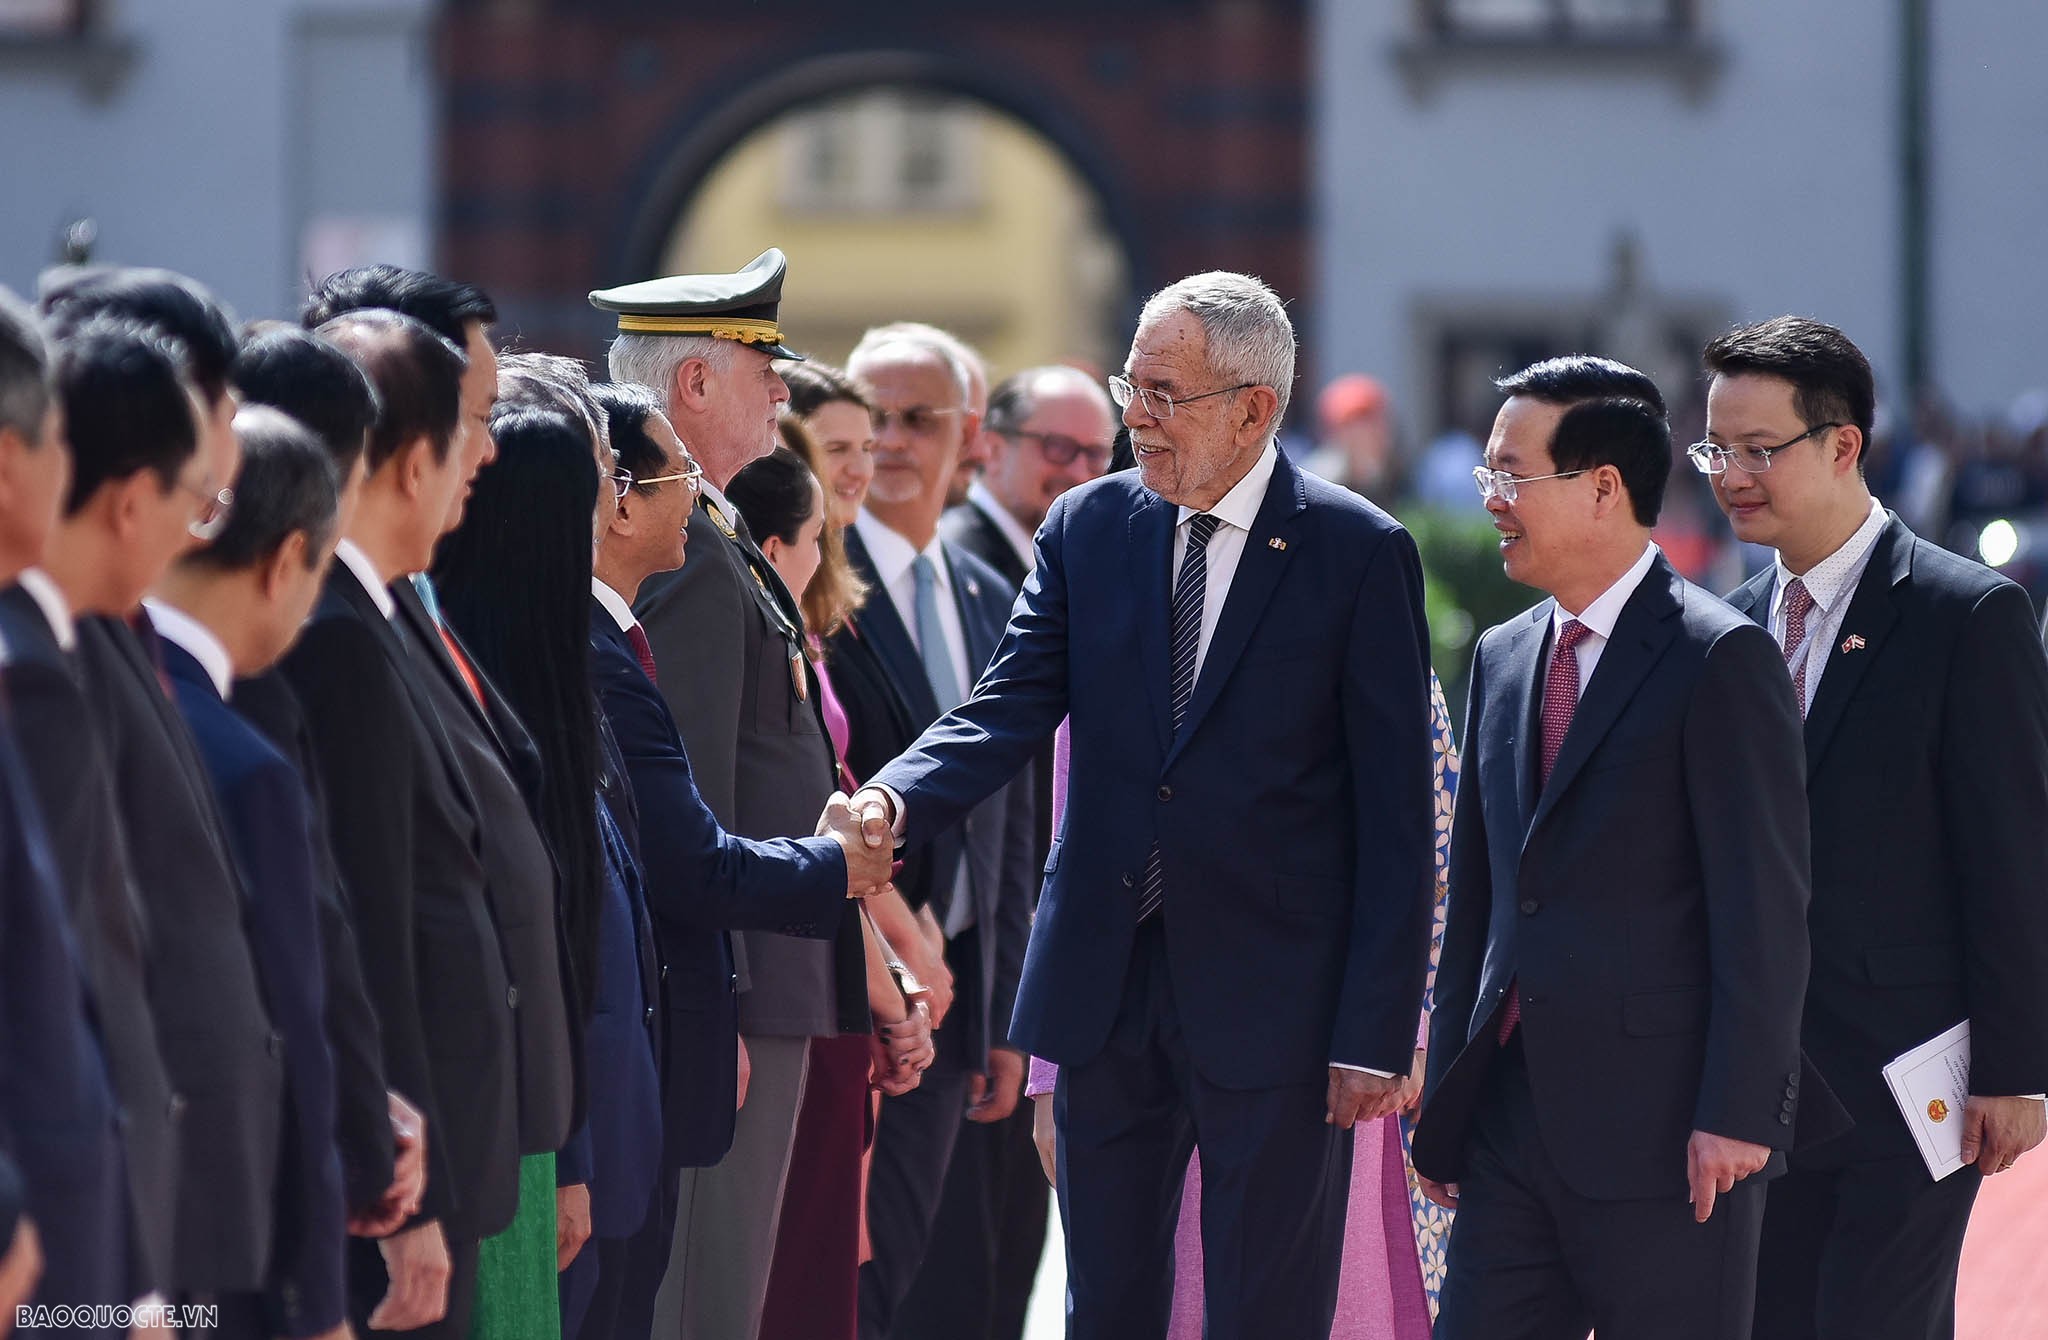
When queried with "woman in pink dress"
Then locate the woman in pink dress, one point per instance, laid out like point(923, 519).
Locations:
point(1394, 1238)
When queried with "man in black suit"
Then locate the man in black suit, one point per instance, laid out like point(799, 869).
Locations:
point(1048, 429)
point(1614, 1053)
point(145, 485)
point(383, 1157)
point(57, 1107)
point(1925, 694)
point(405, 834)
point(728, 648)
point(232, 608)
point(701, 881)
point(934, 621)
point(64, 750)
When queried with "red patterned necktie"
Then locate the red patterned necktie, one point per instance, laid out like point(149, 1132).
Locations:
point(643, 650)
point(1798, 604)
point(1560, 701)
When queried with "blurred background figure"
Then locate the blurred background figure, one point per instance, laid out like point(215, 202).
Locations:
point(1355, 437)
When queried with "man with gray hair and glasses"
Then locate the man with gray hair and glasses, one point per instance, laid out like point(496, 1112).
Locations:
point(1230, 945)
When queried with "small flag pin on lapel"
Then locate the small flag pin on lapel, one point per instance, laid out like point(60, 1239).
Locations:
point(1853, 642)
point(1276, 543)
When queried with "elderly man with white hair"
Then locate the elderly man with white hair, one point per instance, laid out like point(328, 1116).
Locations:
point(1230, 945)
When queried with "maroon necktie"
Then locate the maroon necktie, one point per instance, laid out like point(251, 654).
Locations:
point(1798, 604)
point(1560, 701)
point(643, 651)
point(146, 634)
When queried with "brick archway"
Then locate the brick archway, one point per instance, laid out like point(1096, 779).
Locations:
point(573, 134)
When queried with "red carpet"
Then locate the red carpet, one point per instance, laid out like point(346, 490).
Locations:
point(2003, 1293)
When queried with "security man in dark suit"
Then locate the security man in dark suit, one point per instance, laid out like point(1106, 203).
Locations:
point(701, 881)
point(933, 621)
point(57, 1106)
point(232, 608)
point(136, 419)
point(1925, 695)
point(1048, 429)
point(405, 834)
point(728, 649)
point(1614, 1058)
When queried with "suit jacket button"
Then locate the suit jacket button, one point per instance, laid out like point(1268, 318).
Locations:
point(176, 1107)
point(1166, 793)
point(664, 972)
point(512, 997)
point(648, 1016)
point(1530, 907)
point(1791, 1092)
point(276, 1044)
point(1130, 881)
point(1792, 1077)
point(1785, 1120)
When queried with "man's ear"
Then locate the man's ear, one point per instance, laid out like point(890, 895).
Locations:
point(1849, 447)
point(1610, 491)
point(623, 523)
point(415, 459)
point(286, 564)
point(1255, 420)
point(691, 383)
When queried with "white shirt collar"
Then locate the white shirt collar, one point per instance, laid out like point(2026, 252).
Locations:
point(614, 605)
point(1240, 506)
point(1599, 617)
point(356, 561)
point(1019, 538)
point(1832, 578)
point(42, 588)
point(893, 554)
point(199, 642)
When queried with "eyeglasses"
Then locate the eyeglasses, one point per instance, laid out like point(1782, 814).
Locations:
point(692, 475)
point(213, 513)
point(921, 420)
point(1158, 404)
point(1059, 449)
point(1711, 458)
point(622, 482)
point(1504, 486)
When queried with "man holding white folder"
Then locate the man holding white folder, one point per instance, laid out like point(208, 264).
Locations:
point(1924, 690)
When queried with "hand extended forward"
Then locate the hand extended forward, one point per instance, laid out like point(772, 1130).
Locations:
point(868, 863)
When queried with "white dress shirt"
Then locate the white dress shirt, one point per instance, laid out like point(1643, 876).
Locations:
point(1237, 510)
point(1599, 617)
point(893, 556)
point(356, 561)
point(614, 605)
point(42, 588)
point(1019, 538)
point(175, 626)
point(1831, 582)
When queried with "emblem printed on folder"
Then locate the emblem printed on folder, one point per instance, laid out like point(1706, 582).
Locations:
point(1937, 1109)
point(1853, 642)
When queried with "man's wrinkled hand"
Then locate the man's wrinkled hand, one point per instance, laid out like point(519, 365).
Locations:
point(877, 816)
point(572, 1223)
point(1440, 1193)
point(868, 865)
point(1714, 1164)
point(401, 1200)
point(1996, 1131)
point(1356, 1096)
point(417, 1267)
point(993, 1096)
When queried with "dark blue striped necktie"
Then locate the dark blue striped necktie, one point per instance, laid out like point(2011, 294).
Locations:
point(1189, 595)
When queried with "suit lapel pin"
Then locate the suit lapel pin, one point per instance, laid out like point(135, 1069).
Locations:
point(974, 588)
point(1853, 642)
point(1276, 543)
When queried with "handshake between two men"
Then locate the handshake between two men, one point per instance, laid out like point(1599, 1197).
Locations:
point(862, 832)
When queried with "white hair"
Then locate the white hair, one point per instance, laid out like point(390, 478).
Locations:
point(651, 360)
point(1249, 338)
point(960, 357)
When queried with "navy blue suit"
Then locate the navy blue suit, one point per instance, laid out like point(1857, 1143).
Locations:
point(264, 803)
point(1292, 814)
point(56, 1101)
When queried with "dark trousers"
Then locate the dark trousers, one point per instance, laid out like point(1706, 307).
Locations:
point(1530, 1259)
point(1863, 1252)
point(593, 1287)
point(1275, 1179)
point(914, 1140)
point(367, 1283)
point(814, 1284)
point(987, 1241)
point(646, 1261)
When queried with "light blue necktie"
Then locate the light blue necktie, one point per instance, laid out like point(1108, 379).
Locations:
point(931, 637)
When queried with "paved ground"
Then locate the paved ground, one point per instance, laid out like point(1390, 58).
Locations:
point(2003, 1294)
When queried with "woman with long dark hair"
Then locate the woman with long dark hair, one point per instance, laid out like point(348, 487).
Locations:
point(514, 580)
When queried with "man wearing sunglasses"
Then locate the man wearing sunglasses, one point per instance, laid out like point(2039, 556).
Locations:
point(1925, 696)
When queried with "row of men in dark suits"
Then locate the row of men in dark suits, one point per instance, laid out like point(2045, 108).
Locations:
point(286, 984)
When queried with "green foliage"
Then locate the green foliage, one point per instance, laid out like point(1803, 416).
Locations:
point(1464, 590)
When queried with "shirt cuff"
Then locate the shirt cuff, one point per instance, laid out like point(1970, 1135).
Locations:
point(1364, 1070)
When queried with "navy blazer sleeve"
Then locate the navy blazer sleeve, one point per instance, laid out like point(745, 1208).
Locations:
point(699, 873)
point(1019, 886)
point(1468, 907)
point(966, 754)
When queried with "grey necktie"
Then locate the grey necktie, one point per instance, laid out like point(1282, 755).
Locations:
point(931, 637)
